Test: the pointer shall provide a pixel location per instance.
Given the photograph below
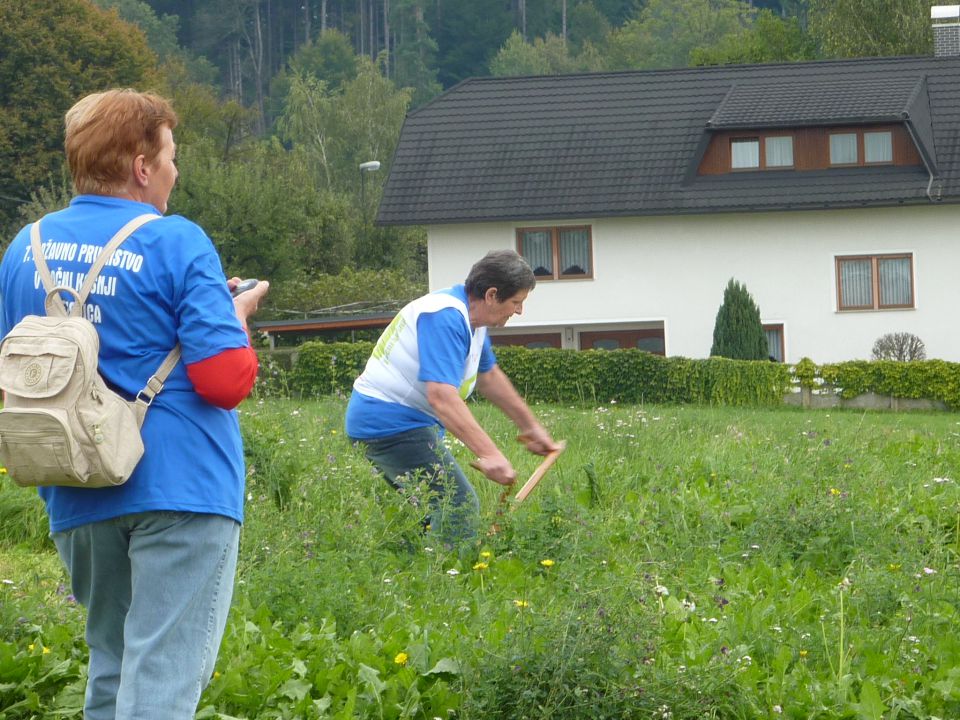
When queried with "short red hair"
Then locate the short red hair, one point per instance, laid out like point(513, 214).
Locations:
point(106, 131)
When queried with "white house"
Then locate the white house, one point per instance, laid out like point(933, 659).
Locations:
point(830, 189)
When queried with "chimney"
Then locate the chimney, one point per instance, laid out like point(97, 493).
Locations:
point(946, 30)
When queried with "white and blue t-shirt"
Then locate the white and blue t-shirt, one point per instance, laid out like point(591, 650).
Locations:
point(430, 340)
point(165, 284)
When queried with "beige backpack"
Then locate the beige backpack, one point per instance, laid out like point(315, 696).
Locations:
point(61, 424)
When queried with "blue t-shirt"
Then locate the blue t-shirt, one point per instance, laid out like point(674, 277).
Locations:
point(164, 284)
point(443, 344)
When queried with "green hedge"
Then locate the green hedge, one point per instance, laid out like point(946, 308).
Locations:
point(328, 368)
point(565, 376)
point(916, 379)
point(633, 376)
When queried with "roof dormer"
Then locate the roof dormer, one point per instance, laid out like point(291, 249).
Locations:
point(834, 123)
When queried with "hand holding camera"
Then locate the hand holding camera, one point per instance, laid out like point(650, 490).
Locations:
point(243, 286)
point(247, 295)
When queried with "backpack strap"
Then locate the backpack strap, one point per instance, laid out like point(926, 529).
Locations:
point(102, 259)
point(156, 381)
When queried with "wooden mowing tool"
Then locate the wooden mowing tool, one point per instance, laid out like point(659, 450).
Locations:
point(534, 478)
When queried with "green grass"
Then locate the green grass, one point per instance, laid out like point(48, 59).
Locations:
point(706, 563)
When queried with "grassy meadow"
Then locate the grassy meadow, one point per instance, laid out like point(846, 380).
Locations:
point(677, 562)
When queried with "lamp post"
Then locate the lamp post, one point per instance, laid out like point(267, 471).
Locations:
point(365, 167)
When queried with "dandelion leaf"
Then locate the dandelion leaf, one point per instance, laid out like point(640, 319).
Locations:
point(870, 707)
point(444, 666)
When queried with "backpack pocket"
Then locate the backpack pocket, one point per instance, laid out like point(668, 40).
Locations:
point(34, 367)
point(36, 447)
point(113, 435)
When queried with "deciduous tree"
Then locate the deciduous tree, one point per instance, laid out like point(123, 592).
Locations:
point(263, 210)
point(769, 39)
point(161, 33)
point(52, 52)
point(667, 31)
point(872, 28)
point(543, 56)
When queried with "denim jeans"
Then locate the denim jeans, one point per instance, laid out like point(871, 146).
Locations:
point(419, 456)
point(157, 587)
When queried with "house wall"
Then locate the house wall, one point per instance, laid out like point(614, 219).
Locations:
point(672, 270)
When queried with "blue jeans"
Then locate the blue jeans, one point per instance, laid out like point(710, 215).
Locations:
point(157, 587)
point(419, 456)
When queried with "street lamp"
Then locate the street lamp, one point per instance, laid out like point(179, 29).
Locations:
point(365, 167)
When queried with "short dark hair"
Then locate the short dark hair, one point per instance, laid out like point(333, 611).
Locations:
point(504, 270)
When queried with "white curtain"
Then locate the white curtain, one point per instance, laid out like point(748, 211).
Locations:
point(856, 283)
point(895, 281)
point(877, 147)
point(774, 342)
point(843, 149)
point(537, 250)
point(779, 151)
point(744, 154)
point(574, 251)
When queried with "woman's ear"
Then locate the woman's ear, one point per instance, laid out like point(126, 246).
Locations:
point(140, 172)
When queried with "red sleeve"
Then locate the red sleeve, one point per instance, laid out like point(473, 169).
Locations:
point(226, 378)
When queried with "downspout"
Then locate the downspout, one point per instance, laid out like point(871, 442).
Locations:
point(939, 196)
point(926, 164)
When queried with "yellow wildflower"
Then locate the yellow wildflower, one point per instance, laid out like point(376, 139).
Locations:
point(893, 567)
point(46, 650)
point(401, 658)
point(30, 647)
point(480, 566)
point(834, 492)
point(216, 674)
point(486, 554)
point(521, 603)
point(547, 563)
point(3, 471)
point(803, 653)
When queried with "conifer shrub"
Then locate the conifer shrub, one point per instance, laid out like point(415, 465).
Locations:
point(738, 333)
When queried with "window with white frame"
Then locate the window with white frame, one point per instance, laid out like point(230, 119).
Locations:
point(778, 150)
point(557, 253)
point(745, 153)
point(761, 153)
point(774, 333)
point(878, 147)
point(875, 282)
point(843, 149)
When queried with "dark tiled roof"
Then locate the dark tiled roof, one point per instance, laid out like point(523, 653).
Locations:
point(750, 105)
point(618, 144)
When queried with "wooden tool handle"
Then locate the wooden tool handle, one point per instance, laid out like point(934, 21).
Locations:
point(538, 474)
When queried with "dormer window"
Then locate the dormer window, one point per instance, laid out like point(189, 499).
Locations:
point(756, 153)
point(779, 151)
point(805, 149)
point(878, 147)
point(843, 149)
point(745, 153)
point(875, 147)
point(817, 124)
